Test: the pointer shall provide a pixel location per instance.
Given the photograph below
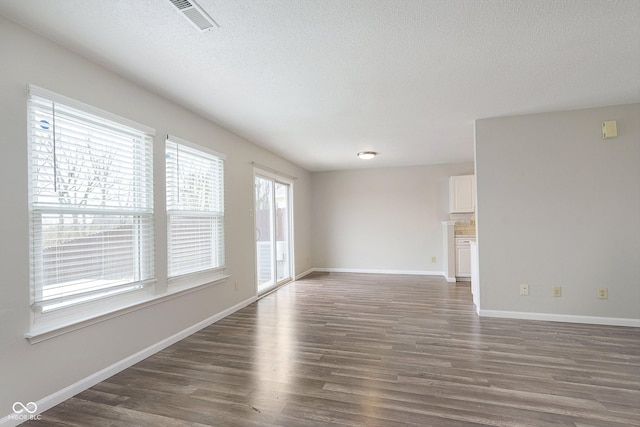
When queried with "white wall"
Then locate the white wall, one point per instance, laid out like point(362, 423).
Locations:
point(30, 372)
point(558, 206)
point(381, 219)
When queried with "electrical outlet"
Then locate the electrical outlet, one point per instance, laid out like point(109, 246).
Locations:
point(603, 293)
point(557, 291)
point(524, 290)
point(235, 285)
point(433, 260)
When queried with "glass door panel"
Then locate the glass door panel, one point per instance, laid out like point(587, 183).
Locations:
point(283, 263)
point(273, 232)
point(264, 233)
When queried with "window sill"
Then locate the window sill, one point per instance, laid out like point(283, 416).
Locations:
point(45, 332)
point(187, 281)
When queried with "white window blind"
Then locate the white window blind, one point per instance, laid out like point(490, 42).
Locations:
point(91, 202)
point(195, 208)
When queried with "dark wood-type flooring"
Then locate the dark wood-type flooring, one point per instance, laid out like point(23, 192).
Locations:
point(373, 350)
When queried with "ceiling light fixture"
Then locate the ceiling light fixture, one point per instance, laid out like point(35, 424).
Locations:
point(367, 155)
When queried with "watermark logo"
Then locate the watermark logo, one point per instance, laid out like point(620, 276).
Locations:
point(24, 412)
point(30, 407)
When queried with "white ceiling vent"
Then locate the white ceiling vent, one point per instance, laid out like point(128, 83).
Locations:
point(195, 14)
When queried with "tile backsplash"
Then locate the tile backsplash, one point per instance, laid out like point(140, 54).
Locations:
point(465, 224)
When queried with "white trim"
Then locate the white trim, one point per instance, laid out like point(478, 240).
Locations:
point(376, 271)
point(273, 171)
point(449, 279)
point(50, 331)
point(60, 396)
point(178, 140)
point(70, 102)
point(195, 279)
point(305, 273)
point(570, 318)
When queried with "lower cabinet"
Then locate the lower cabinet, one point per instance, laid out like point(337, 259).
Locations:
point(463, 258)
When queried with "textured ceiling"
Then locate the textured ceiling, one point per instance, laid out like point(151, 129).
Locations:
point(318, 80)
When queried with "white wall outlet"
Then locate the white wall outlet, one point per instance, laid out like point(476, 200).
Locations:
point(603, 293)
point(433, 260)
point(235, 285)
point(524, 290)
point(557, 291)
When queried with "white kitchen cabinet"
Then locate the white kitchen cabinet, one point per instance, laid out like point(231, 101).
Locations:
point(463, 257)
point(463, 261)
point(462, 194)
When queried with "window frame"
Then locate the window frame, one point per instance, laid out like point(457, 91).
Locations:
point(206, 275)
point(47, 325)
point(84, 304)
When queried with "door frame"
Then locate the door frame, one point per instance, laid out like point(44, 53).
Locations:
point(274, 177)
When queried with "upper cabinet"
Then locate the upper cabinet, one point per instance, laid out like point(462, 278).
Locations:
point(462, 194)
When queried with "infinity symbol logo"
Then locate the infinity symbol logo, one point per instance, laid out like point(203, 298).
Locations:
point(30, 407)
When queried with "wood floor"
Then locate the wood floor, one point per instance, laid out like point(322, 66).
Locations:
point(372, 350)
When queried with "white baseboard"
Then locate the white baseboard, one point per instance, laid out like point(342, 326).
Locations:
point(374, 271)
point(93, 379)
point(569, 318)
point(305, 273)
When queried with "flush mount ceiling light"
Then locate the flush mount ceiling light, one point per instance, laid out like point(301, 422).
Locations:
point(367, 155)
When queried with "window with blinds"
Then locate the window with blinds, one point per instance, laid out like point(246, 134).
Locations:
point(195, 208)
point(91, 202)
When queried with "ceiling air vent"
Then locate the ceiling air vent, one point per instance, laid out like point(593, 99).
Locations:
point(195, 14)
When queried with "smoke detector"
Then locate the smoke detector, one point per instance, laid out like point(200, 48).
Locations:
point(195, 14)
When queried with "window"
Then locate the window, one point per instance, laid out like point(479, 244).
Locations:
point(91, 203)
point(195, 208)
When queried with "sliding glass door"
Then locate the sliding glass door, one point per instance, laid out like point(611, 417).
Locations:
point(273, 231)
